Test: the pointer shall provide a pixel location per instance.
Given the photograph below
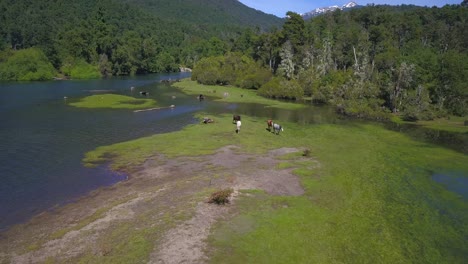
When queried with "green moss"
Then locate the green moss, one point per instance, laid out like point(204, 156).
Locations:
point(114, 101)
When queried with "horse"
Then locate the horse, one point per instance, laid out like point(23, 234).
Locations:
point(236, 118)
point(269, 124)
point(277, 128)
point(238, 126)
point(207, 120)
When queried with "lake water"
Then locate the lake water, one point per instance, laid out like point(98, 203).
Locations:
point(43, 139)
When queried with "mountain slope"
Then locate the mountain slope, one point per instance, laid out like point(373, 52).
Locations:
point(125, 36)
point(209, 12)
point(323, 10)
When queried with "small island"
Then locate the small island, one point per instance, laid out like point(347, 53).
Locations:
point(114, 101)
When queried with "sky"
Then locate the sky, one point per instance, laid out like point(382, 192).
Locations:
point(280, 7)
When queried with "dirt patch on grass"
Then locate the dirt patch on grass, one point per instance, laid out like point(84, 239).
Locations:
point(164, 202)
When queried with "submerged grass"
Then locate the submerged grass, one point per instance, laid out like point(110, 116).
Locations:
point(114, 101)
point(369, 198)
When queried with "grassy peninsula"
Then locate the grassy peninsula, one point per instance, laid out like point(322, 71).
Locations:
point(370, 198)
point(231, 94)
point(366, 196)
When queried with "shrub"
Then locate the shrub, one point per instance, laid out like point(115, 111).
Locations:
point(220, 197)
point(26, 65)
point(80, 69)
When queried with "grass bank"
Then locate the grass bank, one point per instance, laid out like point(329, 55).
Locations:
point(113, 101)
point(231, 94)
point(453, 124)
point(370, 200)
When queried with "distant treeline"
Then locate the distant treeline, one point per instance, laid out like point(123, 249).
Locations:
point(368, 62)
point(89, 39)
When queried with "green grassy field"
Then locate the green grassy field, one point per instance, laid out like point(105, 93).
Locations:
point(114, 101)
point(370, 200)
point(235, 95)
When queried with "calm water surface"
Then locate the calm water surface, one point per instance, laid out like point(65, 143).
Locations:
point(43, 140)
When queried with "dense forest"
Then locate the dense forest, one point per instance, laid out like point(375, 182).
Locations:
point(368, 62)
point(90, 39)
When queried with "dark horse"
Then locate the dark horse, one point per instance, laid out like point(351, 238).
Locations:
point(236, 118)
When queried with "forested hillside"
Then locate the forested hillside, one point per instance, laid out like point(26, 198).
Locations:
point(368, 62)
point(86, 39)
point(209, 13)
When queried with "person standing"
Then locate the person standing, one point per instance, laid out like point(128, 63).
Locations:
point(238, 126)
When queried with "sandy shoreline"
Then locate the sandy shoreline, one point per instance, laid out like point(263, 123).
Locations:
point(161, 207)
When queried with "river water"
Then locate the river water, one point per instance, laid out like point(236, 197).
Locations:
point(43, 139)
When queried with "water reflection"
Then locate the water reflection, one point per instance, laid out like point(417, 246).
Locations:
point(452, 140)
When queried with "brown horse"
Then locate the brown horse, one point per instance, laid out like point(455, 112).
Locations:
point(269, 124)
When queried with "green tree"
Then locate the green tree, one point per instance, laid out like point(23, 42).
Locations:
point(207, 70)
point(293, 30)
point(451, 90)
point(417, 105)
point(401, 82)
point(287, 65)
point(26, 65)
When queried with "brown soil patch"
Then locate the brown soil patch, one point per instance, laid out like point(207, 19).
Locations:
point(166, 197)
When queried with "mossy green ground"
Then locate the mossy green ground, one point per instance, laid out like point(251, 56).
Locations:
point(114, 101)
point(371, 199)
